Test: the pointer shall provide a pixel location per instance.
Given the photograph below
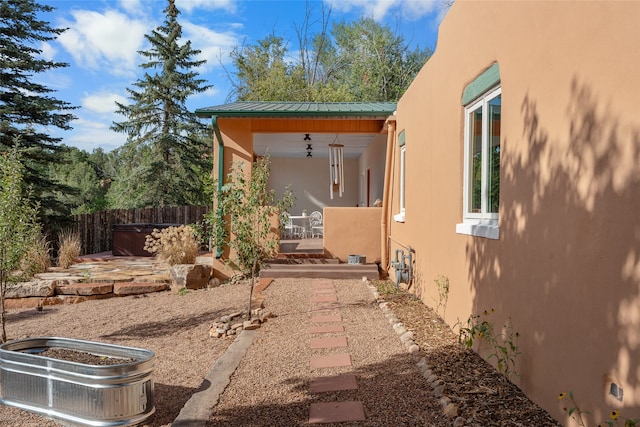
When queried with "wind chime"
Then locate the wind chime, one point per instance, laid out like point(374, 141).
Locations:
point(336, 168)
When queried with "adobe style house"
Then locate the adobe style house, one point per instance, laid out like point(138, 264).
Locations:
point(511, 167)
point(517, 177)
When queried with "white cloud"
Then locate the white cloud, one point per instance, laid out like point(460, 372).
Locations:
point(91, 134)
point(134, 7)
point(379, 9)
point(104, 41)
point(215, 46)
point(102, 102)
point(48, 52)
point(189, 6)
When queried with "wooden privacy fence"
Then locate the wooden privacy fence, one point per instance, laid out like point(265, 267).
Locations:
point(95, 229)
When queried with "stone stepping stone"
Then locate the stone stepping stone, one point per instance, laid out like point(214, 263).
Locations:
point(336, 412)
point(333, 383)
point(324, 298)
point(326, 329)
point(140, 272)
point(60, 276)
point(326, 319)
point(322, 285)
point(325, 306)
point(324, 291)
point(330, 361)
point(85, 289)
point(329, 342)
point(116, 278)
point(135, 288)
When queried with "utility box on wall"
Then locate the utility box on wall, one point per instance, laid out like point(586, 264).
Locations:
point(128, 239)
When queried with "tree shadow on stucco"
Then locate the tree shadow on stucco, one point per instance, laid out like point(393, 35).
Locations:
point(568, 261)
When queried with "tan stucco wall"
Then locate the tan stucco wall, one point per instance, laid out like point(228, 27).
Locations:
point(352, 231)
point(566, 268)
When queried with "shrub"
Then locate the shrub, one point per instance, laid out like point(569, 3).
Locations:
point(37, 258)
point(174, 245)
point(70, 247)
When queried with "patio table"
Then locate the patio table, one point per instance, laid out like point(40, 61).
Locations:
point(303, 221)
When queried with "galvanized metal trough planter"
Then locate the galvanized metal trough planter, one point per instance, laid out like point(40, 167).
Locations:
point(119, 394)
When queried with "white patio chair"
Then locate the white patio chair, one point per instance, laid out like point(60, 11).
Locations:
point(317, 227)
point(291, 230)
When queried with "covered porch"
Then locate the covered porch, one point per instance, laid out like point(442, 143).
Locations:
point(297, 137)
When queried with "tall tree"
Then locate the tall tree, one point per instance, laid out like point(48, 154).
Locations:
point(27, 108)
point(165, 149)
point(359, 61)
point(376, 63)
point(80, 172)
point(263, 74)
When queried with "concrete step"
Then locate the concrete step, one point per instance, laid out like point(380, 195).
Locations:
point(302, 260)
point(323, 271)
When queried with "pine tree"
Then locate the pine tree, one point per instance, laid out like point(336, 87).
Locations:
point(166, 150)
point(27, 108)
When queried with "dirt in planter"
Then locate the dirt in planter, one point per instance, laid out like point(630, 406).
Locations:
point(83, 357)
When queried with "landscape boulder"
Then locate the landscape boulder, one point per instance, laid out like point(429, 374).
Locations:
point(190, 276)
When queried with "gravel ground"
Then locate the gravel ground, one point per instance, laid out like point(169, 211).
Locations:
point(175, 327)
point(270, 387)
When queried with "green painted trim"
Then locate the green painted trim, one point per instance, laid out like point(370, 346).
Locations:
point(218, 135)
point(401, 139)
point(299, 109)
point(485, 81)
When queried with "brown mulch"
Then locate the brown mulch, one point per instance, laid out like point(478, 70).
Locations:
point(484, 396)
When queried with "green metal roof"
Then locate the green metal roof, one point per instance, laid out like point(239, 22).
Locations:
point(299, 109)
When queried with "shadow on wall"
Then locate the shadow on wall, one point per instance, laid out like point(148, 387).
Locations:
point(568, 262)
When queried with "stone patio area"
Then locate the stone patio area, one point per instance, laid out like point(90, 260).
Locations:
point(103, 276)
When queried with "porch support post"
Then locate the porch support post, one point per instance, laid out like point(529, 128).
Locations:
point(388, 171)
point(218, 136)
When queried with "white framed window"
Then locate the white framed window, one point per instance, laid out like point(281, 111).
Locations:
point(481, 190)
point(399, 217)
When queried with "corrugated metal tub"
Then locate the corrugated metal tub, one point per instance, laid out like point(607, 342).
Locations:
point(120, 394)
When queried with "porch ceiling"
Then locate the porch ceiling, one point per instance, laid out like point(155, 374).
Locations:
point(280, 127)
point(294, 145)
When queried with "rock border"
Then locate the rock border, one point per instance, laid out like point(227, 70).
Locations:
point(438, 386)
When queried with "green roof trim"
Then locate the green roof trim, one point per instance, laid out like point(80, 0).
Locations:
point(299, 109)
point(485, 81)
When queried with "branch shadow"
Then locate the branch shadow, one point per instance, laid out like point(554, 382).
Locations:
point(568, 261)
point(164, 328)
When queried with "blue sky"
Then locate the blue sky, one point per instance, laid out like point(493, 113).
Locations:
point(103, 38)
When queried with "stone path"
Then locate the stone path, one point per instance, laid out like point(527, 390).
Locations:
point(105, 276)
point(326, 318)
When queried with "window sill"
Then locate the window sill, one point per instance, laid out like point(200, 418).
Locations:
point(399, 217)
point(487, 229)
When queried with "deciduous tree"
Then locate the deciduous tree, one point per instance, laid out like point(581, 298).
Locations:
point(19, 229)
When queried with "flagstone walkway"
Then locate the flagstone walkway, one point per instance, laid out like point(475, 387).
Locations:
point(324, 320)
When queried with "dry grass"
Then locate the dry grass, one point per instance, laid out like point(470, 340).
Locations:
point(174, 245)
point(70, 248)
point(38, 257)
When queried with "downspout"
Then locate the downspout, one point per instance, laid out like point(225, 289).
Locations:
point(391, 137)
point(218, 136)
